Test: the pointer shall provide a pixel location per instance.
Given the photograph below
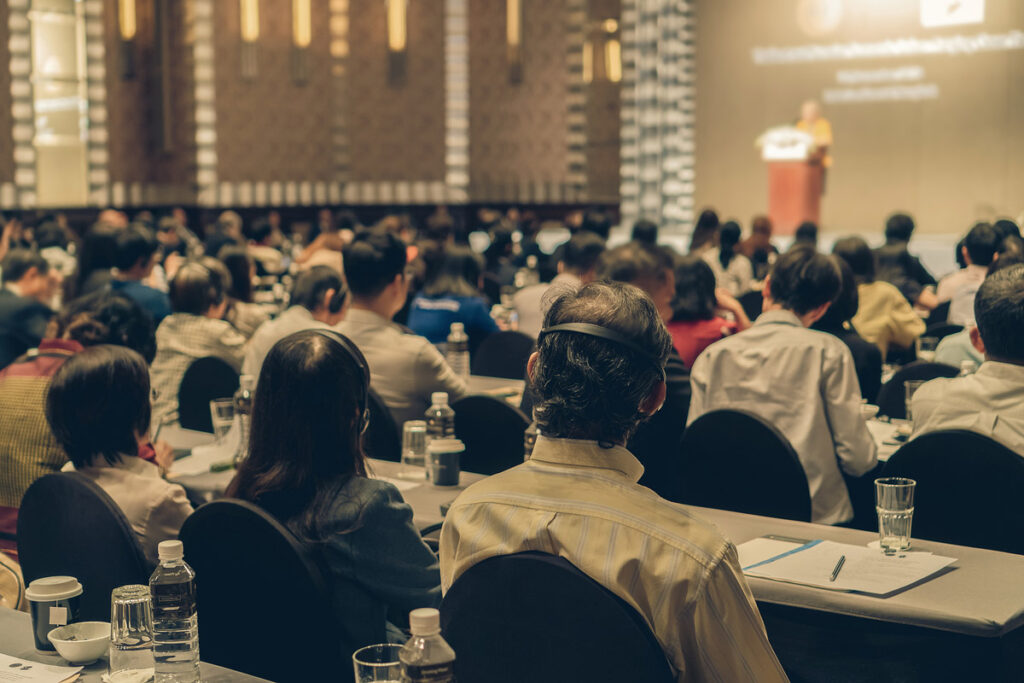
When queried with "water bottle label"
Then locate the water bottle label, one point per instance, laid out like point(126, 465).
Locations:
point(429, 673)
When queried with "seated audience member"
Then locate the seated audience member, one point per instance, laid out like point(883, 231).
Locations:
point(577, 496)
point(405, 368)
point(261, 236)
point(989, 401)
point(733, 271)
point(705, 232)
point(577, 267)
point(28, 449)
point(326, 248)
point(837, 321)
point(498, 263)
point(96, 260)
point(226, 231)
point(883, 317)
point(451, 295)
point(318, 300)
point(306, 467)
point(194, 330)
point(758, 247)
point(695, 322)
point(242, 313)
point(801, 381)
point(98, 409)
point(645, 232)
point(899, 268)
point(979, 248)
point(52, 242)
point(806, 234)
point(29, 285)
point(137, 253)
point(1006, 229)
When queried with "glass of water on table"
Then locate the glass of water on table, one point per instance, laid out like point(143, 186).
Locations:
point(222, 415)
point(910, 387)
point(894, 502)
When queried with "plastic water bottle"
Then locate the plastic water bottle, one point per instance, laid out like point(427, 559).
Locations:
point(440, 417)
point(175, 622)
point(457, 350)
point(426, 657)
point(243, 411)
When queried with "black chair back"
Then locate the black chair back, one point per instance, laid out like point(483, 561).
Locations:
point(69, 526)
point(264, 605)
point(535, 617)
point(892, 397)
point(939, 314)
point(492, 431)
point(503, 354)
point(383, 437)
point(941, 330)
point(205, 380)
point(734, 460)
point(751, 303)
point(968, 489)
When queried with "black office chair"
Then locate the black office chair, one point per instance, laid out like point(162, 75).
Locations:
point(941, 330)
point(69, 526)
point(263, 600)
point(535, 617)
point(492, 431)
point(892, 396)
point(968, 489)
point(383, 438)
point(503, 354)
point(205, 380)
point(939, 314)
point(751, 303)
point(734, 460)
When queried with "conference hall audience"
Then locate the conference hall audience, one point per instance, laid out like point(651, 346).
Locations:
point(758, 247)
point(733, 271)
point(306, 467)
point(137, 253)
point(96, 261)
point(98, 408)
point(244, 315)
point(29, 286)
point(577, 496)
point(451, 294)
point(705, 232)
point(979, 248)
point(884, 317)
point(53, 244)
point(645, 232)
point(326, 248)
point(261, 238)
point(696, 322)
point(989, 401)
point(196, 329)
point(800, 380)
point(405, 368)
point(897, 266)
point(226, 231)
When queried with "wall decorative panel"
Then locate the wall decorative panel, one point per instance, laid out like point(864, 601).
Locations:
point(6, 141)
point(21, 124)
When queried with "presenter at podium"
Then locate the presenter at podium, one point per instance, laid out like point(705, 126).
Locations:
point(812, 122)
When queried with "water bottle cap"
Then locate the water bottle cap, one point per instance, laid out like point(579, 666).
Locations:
point(458, 327)
point(439, 398)
point(425, 621)
point(170, 550)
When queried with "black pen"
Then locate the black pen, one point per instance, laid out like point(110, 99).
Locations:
point(839, 566)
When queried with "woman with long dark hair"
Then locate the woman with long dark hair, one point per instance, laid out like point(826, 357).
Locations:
point(696, 322)
point(452, 294)
point(733, 271)
point(705, 232)
point(245, 315)
point(306, 468)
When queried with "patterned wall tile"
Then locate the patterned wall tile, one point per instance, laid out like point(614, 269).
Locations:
point(6, 140)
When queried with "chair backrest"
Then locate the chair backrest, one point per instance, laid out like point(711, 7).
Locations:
point(968, 489)
point(492, 431)
point(941, 330)
point(751, 303)
point(383, 437)
point(939, 314)
point(262, 600)
point(69, 526)
point(892, 396)
point(734, 460)
point(205, 380)
point(503, 354)
point(535, 617)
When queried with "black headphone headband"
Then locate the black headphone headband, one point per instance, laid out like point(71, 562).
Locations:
point(356, 355)
point(592, 330)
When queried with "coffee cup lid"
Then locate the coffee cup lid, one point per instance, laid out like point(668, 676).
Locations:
point(446, 446)
point(53, 588)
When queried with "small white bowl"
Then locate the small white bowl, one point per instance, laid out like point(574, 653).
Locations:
point(81, 643)
point(868, 410)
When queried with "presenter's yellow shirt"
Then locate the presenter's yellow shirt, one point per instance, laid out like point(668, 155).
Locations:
point(822, 133)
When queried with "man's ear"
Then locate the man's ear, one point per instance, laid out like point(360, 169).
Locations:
point(766, 292)
point(531, 364)
point(976, 340)
point(325, 303)
point(815, 315)
point(652, 404)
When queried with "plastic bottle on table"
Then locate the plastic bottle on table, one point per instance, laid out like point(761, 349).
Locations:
point(243, 411)
point(426, 657)
point(175, 621)
point(457, 350)
point(440, 417)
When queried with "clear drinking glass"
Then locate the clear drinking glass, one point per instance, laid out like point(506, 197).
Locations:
point(911, 386)
point(222, 414)
point(925, 347)
point(894, 502)
point(377, 663)
point(131, 633)
point(414, 449)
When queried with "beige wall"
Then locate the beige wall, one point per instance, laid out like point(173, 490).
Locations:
point(948, 161)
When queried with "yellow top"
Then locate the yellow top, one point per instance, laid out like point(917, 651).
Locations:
point(822, 134)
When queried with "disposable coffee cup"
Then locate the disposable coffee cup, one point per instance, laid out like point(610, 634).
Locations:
point(53, 602)
point(443, 457)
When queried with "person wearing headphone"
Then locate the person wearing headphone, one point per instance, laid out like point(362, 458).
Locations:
point(319, 299)
point(195, 329)
point(306, 467)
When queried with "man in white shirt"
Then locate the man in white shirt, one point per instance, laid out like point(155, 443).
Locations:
point(978, 249)
point(800, 380)
point(404, 368)
point(991, 401)
point(318, 300)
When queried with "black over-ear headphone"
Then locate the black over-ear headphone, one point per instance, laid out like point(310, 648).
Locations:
point(364, 371)
point(610, 335)
point(338, 300)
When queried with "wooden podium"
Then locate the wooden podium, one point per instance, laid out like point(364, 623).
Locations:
point(795, 177)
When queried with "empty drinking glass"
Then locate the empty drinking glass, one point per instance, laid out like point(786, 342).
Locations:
point(414, 449)
point(131, 633)
point(926, 347)
point(894, 501)
point(222, 414)
point(377, 663)
point(911, 386)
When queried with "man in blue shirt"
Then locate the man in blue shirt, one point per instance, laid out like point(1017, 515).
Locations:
point(137, 252)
